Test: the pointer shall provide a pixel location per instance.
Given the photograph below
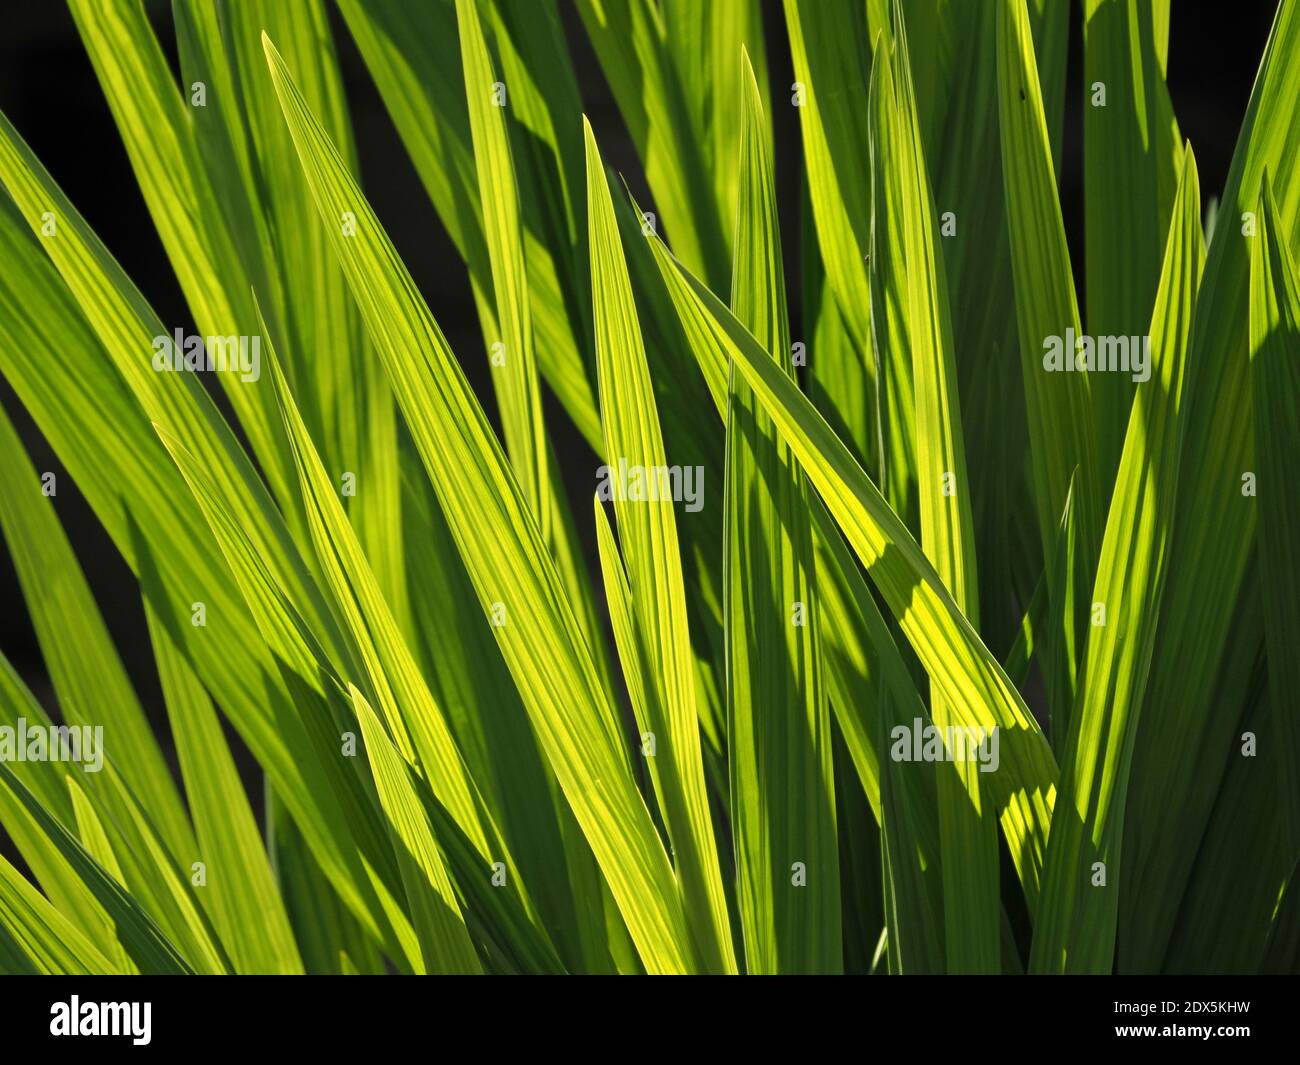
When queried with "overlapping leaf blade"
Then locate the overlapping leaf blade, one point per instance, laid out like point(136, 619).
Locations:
point(1132, 156)
point(1075, 930)
point(779, 738)
point(1275, 386)
point(444, 939)
point(245, 903)
point(647, 527)
point(1189, 723)
point(504, 554)
point(957, 662)
point(907, 268)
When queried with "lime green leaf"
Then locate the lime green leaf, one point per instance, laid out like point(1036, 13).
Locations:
point(958, 663)
point(631, 40)
point(414, 720)
point(705, 43)
point(90, 829)
point(504, 554)
point(243, 900)
point(779, 739)
point(416, 65)
point(1132, 156)
point(158, 132)
point(48, 939)
point(47, 866)
point(444, 940)
point(100, 706)
point(873, 693)
point(634, 449)
point(466, 672)
point(126, 327)
point(323, 927)
point(136, 930)
point(308, 709)
point(837, 374)
point(1075, 927)
point(966, 172)
point(907, 267)
point(622, 620)
point(514, 364)
point(831, 48)
point(341, 388)
point(1188, 734)
point(1275, 381)
point(80, 401)
point(1061, 420)
point(88, 676)
point(515, 376)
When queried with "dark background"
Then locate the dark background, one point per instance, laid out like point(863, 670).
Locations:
point(49, 91)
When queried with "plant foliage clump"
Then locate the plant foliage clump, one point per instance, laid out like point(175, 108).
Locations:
point(937, 623)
